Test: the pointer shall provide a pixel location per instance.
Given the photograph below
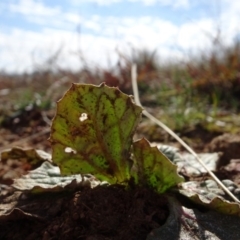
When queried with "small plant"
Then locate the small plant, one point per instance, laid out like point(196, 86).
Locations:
point(91, 136)
point(92, 133)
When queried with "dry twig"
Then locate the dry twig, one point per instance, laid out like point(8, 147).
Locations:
point(168, 130)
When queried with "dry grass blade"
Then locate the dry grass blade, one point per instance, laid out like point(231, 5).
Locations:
point(168, 130)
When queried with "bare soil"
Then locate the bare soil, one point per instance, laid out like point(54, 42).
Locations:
point(102, 213)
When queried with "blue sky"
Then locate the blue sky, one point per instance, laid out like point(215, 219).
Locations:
point(33, 30)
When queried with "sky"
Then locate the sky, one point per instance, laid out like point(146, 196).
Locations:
point(74, 32)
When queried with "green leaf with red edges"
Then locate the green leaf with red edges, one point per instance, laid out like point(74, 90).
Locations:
point(92, 132)
point(152, 168)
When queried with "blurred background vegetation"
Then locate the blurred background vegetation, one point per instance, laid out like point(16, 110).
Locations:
point(202, 92)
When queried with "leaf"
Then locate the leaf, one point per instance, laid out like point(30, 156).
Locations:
point(193, 168)
point(17, 161)
point(172, 153)
point(153, 168)
point(216, 203)
point(47, 178)
point(31, 156)
point(92, 132)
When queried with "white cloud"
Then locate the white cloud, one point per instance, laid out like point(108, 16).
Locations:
point(33, 8)
point(171, 3)
point(92, 25)
point(99, 2)
point(72, 17)
point(25, 50)
point(37, 12)
point(229, 20)
point(144, 32)
point(195, 35)
point(21, 49)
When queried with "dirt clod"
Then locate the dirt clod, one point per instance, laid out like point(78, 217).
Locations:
point(105, 212)
point(228, 144)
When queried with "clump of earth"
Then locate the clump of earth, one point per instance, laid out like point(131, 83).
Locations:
point(101, 213)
